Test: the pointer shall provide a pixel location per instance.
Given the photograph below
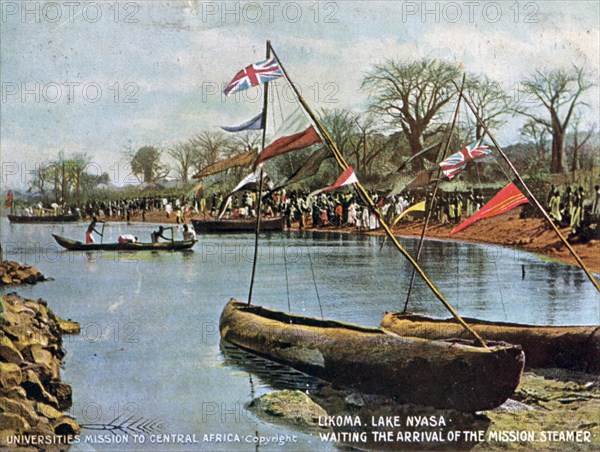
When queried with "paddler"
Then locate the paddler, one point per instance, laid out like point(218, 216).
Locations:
point(89, 238)
point(155, 235)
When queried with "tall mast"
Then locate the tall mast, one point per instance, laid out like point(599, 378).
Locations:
point(531, 195)
point(365, 196)
point(433, 197)
point(260, 184)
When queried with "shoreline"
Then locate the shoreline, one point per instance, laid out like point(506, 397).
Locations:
point(532, 235)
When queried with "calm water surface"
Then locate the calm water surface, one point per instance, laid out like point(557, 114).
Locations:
point(150, 344)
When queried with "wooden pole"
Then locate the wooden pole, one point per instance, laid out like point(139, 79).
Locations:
point(365, 196)
point(260, 183)
point(433, 195)
point(531, 195)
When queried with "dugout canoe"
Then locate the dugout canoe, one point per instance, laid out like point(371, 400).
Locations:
point(569, 347)
point(43, 219)
point(237, 225)
point(445, 374)
point(74, 245)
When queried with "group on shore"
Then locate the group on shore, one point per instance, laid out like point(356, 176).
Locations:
point(568, 206)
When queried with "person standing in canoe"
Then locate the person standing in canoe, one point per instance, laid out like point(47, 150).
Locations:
point(89, 238)
point(155, 235)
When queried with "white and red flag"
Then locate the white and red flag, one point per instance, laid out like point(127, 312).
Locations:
point(346, 178)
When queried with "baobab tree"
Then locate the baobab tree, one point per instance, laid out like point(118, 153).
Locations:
point(411, 96)
point(553, 97)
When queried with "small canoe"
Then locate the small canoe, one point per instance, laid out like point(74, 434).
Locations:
point(237, 225)
point(569, 347)
point(161, 246)
point(43, 219)
point(445, 374)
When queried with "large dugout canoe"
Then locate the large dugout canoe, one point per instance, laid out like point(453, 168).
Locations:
point(237, 225)
point(445, 374)
point(74, 245)
point(569, 347)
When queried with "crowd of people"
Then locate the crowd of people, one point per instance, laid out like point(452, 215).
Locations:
point(339, 209)
point(568, 206)
point(574, 208)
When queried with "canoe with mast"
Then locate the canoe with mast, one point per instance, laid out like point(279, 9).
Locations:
point(464, 375)
point(571, 347)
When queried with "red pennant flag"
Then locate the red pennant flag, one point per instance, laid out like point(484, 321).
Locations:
point(9, 200)
point(506, 199)
point(290, 143)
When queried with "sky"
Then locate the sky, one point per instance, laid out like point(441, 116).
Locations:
point(103, 77)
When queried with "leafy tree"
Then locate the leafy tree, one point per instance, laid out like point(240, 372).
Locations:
point(75, 167)
point(146, 165)
point(555, 97)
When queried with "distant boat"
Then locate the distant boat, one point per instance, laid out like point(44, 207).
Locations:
point(43, 218)
point(445, 374)
point(237, 225)
point(160, 246)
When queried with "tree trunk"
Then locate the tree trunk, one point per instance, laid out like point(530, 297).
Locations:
point(575, 153)
point(416, 147)
point(556, 164)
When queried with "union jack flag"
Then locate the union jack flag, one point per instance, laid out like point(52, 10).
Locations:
point(254, 75)
point(454, 164)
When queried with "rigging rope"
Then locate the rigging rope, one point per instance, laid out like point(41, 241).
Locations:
point(500, 291)
point(287, 283)
point(315, 282)
point(279, 104)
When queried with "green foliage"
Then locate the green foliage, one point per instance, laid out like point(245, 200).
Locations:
point(146, 165)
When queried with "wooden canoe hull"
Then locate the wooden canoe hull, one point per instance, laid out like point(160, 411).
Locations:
point(570, 347)
point(443, 374)
point(161, 246)
point(43, 219)
point(237, 225)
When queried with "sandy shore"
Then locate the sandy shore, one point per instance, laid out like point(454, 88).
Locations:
point(530, 234)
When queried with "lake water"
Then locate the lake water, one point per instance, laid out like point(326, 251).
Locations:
point(150, 345)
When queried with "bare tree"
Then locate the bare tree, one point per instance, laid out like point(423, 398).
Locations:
point(491, 103)
point(558, 94)
point(41, 179)
point(536, 136)
point(356, 137)
point(184, 154)
point(411, 95)
point(579, 142)
point(342, 127)
point(210, 147)
point(242, 142)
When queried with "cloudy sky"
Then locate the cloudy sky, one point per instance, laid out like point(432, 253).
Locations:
point(112, 75)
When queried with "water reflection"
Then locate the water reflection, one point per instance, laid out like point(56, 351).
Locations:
point(174, 301)
point(377, 423)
